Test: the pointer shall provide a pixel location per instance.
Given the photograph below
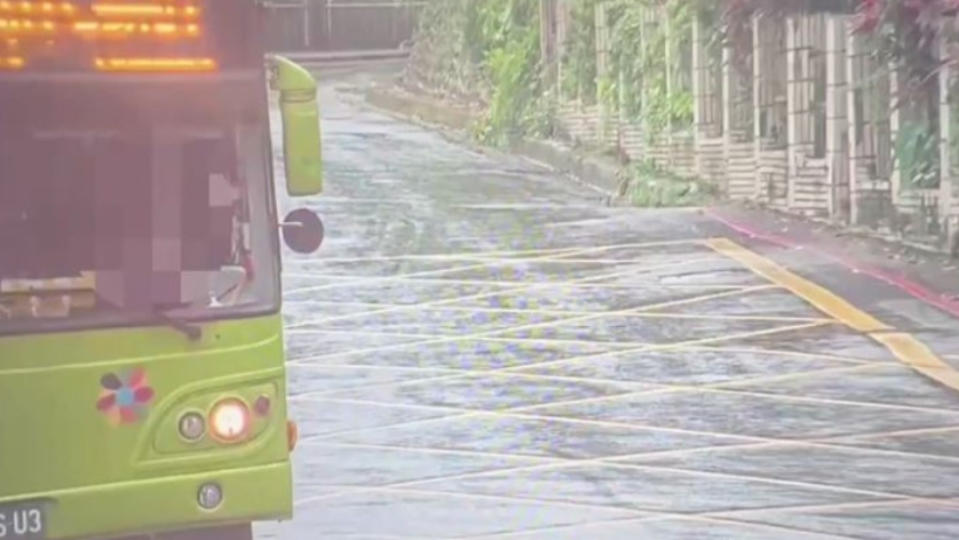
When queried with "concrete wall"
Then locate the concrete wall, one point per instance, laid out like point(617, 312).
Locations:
point(740, 170)
point(820, 159)
point(711, 160)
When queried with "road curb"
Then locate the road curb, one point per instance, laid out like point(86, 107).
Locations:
point(602, 175)
point(598, 173)
point(422, 108)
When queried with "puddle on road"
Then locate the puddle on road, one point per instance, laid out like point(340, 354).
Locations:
point(691, 366)
point(488, 392)
point(753, 415)
point(645, 489)
point(468, 354)
point(546, 437)
point(638, 330)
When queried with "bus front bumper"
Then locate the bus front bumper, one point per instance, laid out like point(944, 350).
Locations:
point(170, 503)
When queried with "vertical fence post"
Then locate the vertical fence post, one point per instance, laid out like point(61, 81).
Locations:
point(792, 107)
point(664, 13)
point(854, 79)
point(835, 108)
point(602, 70)
point(546, 48)
point(895, 120)
point(306, 24)
point(697, 92)
point(562, 27)
point(756, 20)
point(726, 76)
point(643, 96)
point(547, 37)
point(946, 217)
point(329, 22)
point(621, 120)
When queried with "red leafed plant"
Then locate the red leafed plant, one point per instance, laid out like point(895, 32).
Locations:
point(901, 32)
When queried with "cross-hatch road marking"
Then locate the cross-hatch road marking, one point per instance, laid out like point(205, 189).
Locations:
point(902, 345)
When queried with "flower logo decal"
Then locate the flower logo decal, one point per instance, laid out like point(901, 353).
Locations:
point(124, 398)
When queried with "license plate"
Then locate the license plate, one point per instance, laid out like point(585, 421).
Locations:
point(22, 521)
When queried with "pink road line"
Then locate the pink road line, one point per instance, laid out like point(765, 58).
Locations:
point(900, 281)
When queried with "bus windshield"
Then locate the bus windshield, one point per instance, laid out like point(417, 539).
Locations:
point(104, 222)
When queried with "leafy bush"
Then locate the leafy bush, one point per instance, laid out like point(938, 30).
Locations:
point(579, 58)
point(650, 186)
point(651, 40)
point(513, 66)
point(487, 51)
point(917, 153)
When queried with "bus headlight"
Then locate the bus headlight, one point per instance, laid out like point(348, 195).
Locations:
point(216, 418)
point(230, 420)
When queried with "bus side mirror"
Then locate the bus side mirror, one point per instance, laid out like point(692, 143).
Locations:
point(300, 114)
point(303, 231)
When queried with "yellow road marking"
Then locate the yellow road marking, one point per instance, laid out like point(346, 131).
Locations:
point(794, 354)
point(433, 272)
point(733, 384)
point(557, 322)
point(520, 368)
point(827, 443)
point(508, 255)
point(750, 442)
point(613, 462)
point(645, 514)
point(562, 312)
point(680, 346)
point(388, 488)
point(579, 283)
point(441, 451)
point(896, 433)
point(764, 443)
point(578, 313)
point(834, 507)
point(510, 373)
point(526, 288)
point(902, 345)
point(441, 271)
point(562, 284)
point(556, 259)
point(543, 531)
point(654, 387)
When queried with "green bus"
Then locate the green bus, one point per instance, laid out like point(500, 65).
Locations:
point(142, 380)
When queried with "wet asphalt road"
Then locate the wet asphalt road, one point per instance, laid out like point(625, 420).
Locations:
point(483, 350)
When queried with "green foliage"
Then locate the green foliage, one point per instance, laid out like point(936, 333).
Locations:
point(512, 63)
point(485, 51)
point(650, 186)
point(954, 135)
point(579, 60)
point(445, 36)
point(626, 57)
point(648, 59)
point(917, 154)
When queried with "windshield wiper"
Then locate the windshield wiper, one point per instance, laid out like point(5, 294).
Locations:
point(159, 312)
point(192, 332)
